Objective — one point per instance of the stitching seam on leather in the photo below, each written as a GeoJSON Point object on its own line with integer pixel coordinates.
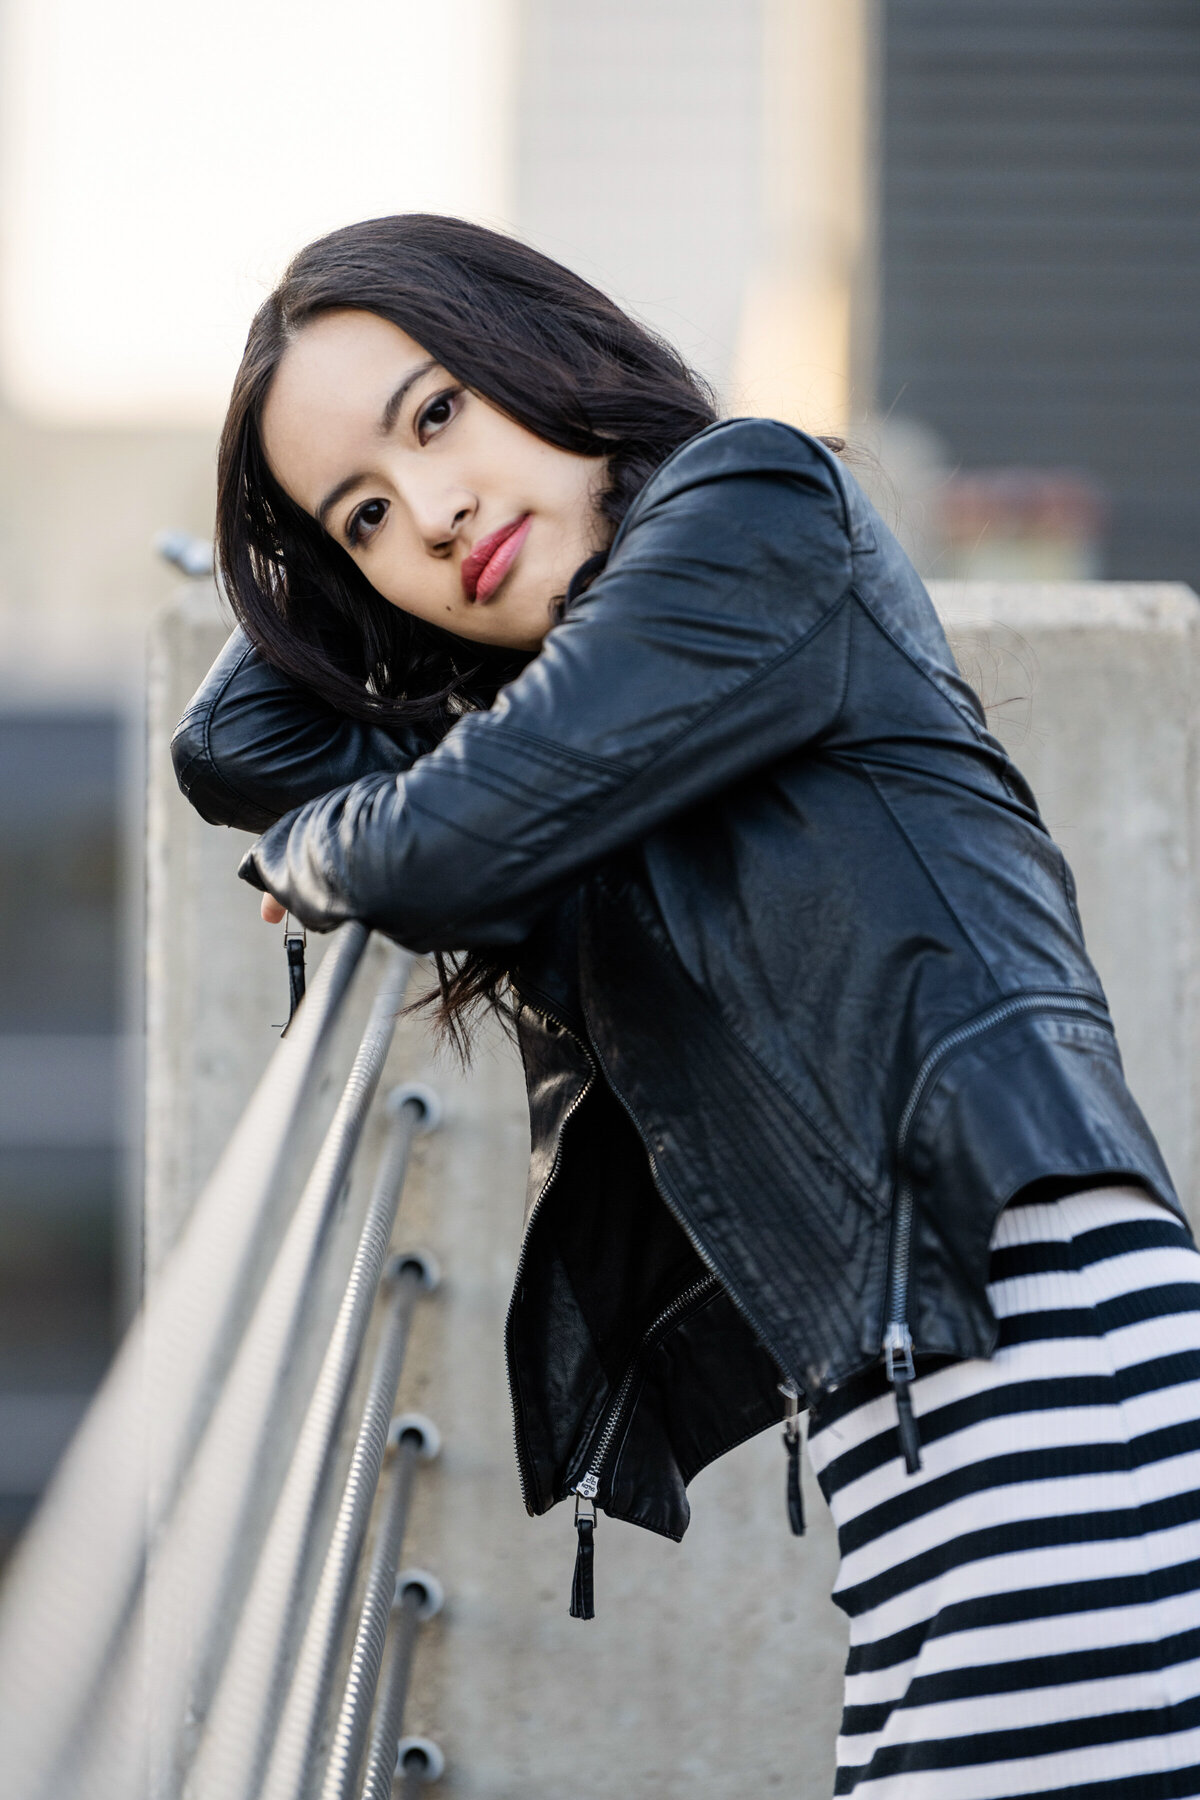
{"type": "Point", "coordinates": [612, 798]}
{"type": "Point", "coordinates": [952, 911]}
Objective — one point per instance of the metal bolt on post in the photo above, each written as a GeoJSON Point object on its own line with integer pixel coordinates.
{"type": "Point", "coordinates": [418, 1597]}
{"type": "Point", "coordinates": [419, 1763]}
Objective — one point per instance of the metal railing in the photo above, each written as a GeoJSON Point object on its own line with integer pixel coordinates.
{"type": "Point", "coordinates": [183, 1616]}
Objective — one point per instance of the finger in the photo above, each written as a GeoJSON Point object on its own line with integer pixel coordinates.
{"type": "Point", "coordinates": [272, 912]}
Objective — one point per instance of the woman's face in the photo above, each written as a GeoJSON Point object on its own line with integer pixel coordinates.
{"type": "Point", "coordinates": [452, 511]}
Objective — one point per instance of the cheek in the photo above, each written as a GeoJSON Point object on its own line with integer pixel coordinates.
{"type": "Point", "coordinates": [577, 507]}
{"type": "Point", "coordinates": [415, 585]}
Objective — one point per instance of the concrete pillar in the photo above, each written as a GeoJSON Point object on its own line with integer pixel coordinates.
{"type": "Point", "coordinates": [714, 1667]}
{"type": "Point", "coordinates": [215, 983]}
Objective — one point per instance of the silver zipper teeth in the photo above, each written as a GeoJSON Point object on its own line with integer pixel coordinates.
{"type": "Point", "coordinates": [589, 1484]}
{"type": "Point", "coordinates": [577, 1102]}
{"type": "Point", "coordinates": [897, 1334]}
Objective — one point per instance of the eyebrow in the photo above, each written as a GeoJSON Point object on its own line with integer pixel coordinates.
{"type": "Point", "coordinates": [387, 419]}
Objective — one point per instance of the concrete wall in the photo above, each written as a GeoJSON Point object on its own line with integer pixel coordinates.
{"type": "Point", "coordinates": [712, 1668]}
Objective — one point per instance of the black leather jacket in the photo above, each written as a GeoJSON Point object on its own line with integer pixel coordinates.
{"type": "Point", "coordinates": [803, 995]}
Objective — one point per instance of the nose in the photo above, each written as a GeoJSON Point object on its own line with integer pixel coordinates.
{"type": "Point", "coordinates": [439, 512]}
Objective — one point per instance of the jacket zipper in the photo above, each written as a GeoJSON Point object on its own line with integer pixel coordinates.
{"type": "Point", "coordinates": [588, 1485]}
{"type": "Point", "coordinates": [523, 1470]}
{"type": "Point", "coordinates": [897, 1336]}
{"type": "Point", "coordinates": [585, 1490]}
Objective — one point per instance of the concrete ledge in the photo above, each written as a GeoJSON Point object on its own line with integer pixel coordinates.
{"type": "Point", "coordinates": [1062, 605]}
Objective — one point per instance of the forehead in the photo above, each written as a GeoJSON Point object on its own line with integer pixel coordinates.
{"type": "Point", "coordinates": [322, 409]}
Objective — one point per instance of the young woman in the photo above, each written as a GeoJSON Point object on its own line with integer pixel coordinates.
{"type": "Point", "coordinates": [646, 723]}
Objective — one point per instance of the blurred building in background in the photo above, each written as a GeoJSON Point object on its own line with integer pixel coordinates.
{"type": "Point", "coordinates": [965, 236]}
{"type": "Point", "coordinates": [1039, 250]}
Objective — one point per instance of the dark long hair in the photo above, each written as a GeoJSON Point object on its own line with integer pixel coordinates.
{"type": "Point", "coordinates": [527, 335]}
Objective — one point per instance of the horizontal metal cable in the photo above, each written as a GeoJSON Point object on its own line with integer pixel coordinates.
{"type": "Point", "coordinates": [306, 1701]}
{"type": "Point", "coordinates": [73, 1585]}
{"type": "Point", "coordinates": [204, 1563]}
{"type": "Point", "coordinates": [346, 1753]}
{"type": "Point", "coordinates": [247, 1707]}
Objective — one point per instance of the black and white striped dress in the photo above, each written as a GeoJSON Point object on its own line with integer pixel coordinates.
{"type": "Point", "coordinates": [1025, 1610]}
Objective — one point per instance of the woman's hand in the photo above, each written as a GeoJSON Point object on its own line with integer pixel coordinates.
{"type": "Point", "coordinates": [272, 912]}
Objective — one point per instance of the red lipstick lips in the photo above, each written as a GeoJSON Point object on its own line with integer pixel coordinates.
{"type": "Point", "coordinates": [491, 559]}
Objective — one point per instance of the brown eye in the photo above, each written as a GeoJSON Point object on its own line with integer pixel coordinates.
{"type": "Point", "coordinates": [365, 521]}
{"type": "Point", "coordinates": [438, 413]}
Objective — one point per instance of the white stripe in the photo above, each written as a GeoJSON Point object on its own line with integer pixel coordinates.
{"type": "Point", "coordinates": [1161, 1407]}
{"type": "Point", "coordinates": [1015, 1433]}
{"type": "Point", "coordinates": [1106, 1627]}
{"type": "Point", "coordinates": [1020, 1570]}
{"type": "Point", "coordinates": [1064, 1497]}
{"type": "Point", "coordinates": [1007, 1435]}
{"type": "Point", "coordinates": [1049, 1289]}
{"type": "Point", "coordinates": [1020, 1711]}
{"type": "Point", "coordinates": [1058, 1221]}
{"type": "Point", "coordinates": [1151, 1338]}
{"type": "Point", "coordinates": [1073, 1356]}
{"type": "Point", "coordinates": [1139, 1343]}
{"type": "Point", "coordinates": [1067, 1769]}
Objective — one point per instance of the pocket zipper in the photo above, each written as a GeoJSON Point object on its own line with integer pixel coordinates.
{"type": "Point", "coordinates": [523, 1468]}
{"type": "Point", "coordinates": [587, 1487]}
{"type": "Point", "coordinates": [897, 1336]}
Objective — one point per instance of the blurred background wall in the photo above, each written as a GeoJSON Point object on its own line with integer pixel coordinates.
{"type": "Point", "coordinates": [965, 236]}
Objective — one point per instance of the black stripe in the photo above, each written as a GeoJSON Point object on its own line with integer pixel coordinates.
{"type": "Point", "coordinates": [1160, 1372]}
{"type": "Point", "coordinates": [1167, 1784]}
{"type": "Point", "coordinates": [1049, 1256]}
{"type": "Point", "coordinates": [1056, 1392]}
{"type": "Point", "coordinates": [1133, 1308]}
{"type": "Point", "coordinates": [1109, 1662]}
{"type": "Point", "coordinates": [1002, 1401]}
{"type": "Point", "coordinates": [1055, 1462]}
{"type": "Point", "coordinates": [1024, 1606]}
{"type": "Point", "coordinates": [1018, 1328]}
{"type": "Point", "coordinates": [1024, 1741]}
{"type": "Point", "coordinates": [1020, 1535]}
{"type": "Point", "coordinates": [859, 1390]}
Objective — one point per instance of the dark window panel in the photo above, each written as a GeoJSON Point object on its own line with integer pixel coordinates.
{"type": "Point", "coordinates": [1040, 238]}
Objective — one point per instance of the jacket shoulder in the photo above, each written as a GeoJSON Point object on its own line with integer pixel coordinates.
{"type": "Point", "coordinates": [745, 448]}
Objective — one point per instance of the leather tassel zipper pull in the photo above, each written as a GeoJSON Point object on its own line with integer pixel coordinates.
{"type": "Point", "coordinates": [583, 1593]}
{"type": "Point", "coordinates": [898, 1360]}
{"type": "Point", "coordinates": [791, 1443]}
{"type": "Point", "coordinates": [910, 1437]}
{"type": "Point", "coordinates": [293, 944]}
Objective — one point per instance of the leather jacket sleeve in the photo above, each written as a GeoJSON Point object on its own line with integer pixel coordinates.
{"type": "Point", "coordinates": [252, 745]}
{"type": "Point", "coordinates": [713, 643]}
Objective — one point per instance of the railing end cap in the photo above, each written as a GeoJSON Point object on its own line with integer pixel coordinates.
{"type": "Point", "coordinates": [416, 1092]}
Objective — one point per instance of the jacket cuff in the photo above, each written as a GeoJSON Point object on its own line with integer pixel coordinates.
{"type": "Point", "coordinates": [248, 871]}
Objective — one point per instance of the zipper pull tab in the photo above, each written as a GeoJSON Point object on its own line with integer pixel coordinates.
{"type": "Point", "coordinates": [583, 1596]}
{"type": "Point", "coordinates": [791, 1443]}
{"type": "Point", "coordinates": [293, 945]}
{"type": "Point", "coordinates": [898, 1356]}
